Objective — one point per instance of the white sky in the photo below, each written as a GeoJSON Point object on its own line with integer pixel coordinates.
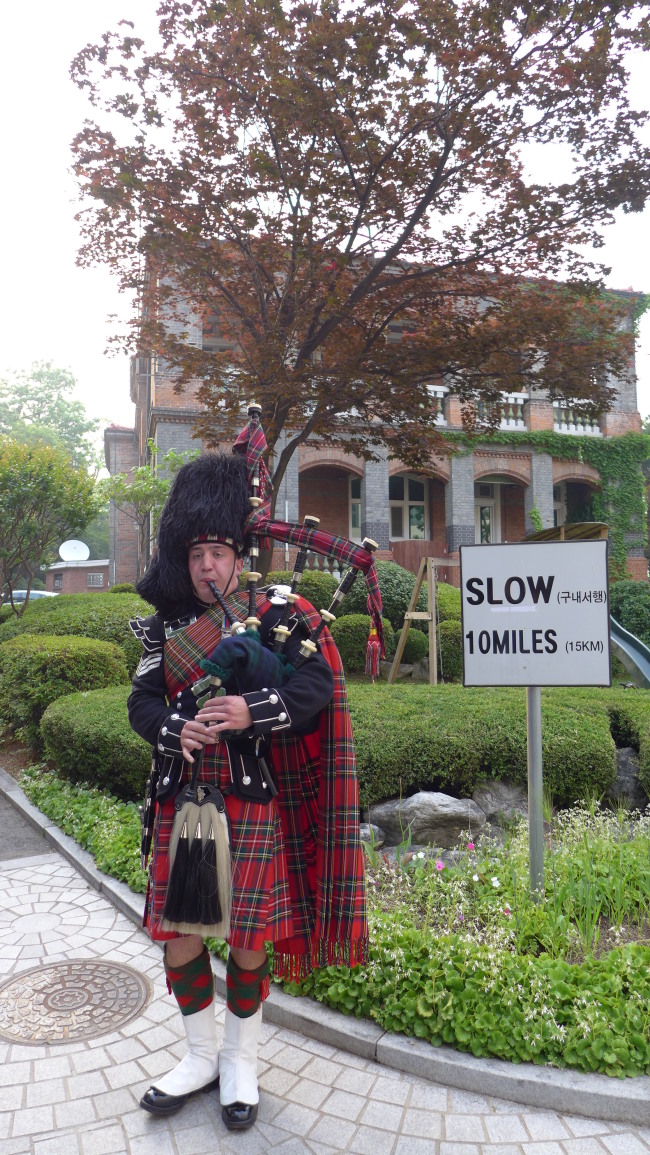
{"type": "Point", "coordinates": [52, 310]}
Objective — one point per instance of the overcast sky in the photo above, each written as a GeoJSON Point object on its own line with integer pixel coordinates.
{"type": "Point", "coordinates": [51, 310]}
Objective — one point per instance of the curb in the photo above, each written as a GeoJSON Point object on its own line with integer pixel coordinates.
{"type": "Point", "coordinates": [568, 1092]}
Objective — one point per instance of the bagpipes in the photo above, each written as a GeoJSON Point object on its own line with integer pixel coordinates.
{"type": "Point", "coordinates": [199, 891]}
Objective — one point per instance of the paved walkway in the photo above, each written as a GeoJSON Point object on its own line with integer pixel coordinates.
{"type": "Point", "coordinates": [80, 1097]}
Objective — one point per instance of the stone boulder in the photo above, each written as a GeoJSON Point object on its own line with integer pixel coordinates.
{"type": "Point", "coordinates": [433, 819]}
{"type": "Point", "coordinates": [500, 798]}
{"type": "Point", "coordinates": [626, 787]}
{"type": "Point", "coordinates": [372, 834]}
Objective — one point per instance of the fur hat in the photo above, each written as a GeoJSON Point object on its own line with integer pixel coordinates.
{"type": "Point", "coordinates": [208, 501]}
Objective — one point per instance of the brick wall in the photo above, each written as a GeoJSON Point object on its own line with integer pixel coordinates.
{"type": "Point", "coordinates": [74, 580]}
{"type": "Point", "coordinates": [324, 493]}
{"type": "Point", "coordinates": [513, 525]}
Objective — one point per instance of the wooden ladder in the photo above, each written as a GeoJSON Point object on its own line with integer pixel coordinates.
{"type": "Point", "coordinates": [427, 569]}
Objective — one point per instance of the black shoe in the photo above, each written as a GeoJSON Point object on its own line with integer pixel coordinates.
{"type": "Point", "coordinates": [157, 1103]}
{"type": "Point", "coordinates": [239, 1116]}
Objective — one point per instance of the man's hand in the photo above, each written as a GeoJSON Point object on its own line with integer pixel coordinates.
{"type": "Point", "coordinates": [228, 712]}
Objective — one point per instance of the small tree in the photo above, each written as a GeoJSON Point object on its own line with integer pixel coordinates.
{"type": "Point", "coordinates": [34, 407]}
{"type": "Point", "coordinates": [42, 501]}
{"type": "Point", "coordinates": [141, 493]}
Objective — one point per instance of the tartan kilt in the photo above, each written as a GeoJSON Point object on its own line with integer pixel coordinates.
{"type": "Point", "coordinates": [261, 902]}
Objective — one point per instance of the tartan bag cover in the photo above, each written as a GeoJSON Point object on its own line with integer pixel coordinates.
{"type": "Point", "coordinates": [317, 805]}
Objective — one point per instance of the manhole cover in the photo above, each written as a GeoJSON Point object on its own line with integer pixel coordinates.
{"type": "Point", "coordinates": [66, 1001]}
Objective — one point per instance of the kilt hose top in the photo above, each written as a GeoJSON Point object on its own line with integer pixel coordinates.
{"type": "Point", "coordinates": [297, 861]}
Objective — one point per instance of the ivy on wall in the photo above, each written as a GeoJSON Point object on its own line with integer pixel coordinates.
{"type": "Point", "coordinates": [620, 501]}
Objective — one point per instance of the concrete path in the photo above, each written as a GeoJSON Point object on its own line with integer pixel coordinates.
{"type": "Point", "coordinates": [65, 945]}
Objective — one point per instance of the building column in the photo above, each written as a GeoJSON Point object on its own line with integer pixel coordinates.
{"type": "Point", "coordinates": [539, 493]}
{"type": "Point", "coordinates": [287, 501]}
{"type": "Point", "coordinates": [374, 501]}
{"type": "Point", "coordinates": [459, 502]}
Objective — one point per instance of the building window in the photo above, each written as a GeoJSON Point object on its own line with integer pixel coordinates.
{"type": "Point", "coordinates": [487, 513]}
{"type": "Point", "coordinates": [95, 580]}
{"type": "Point", "coordinates": [58, 581]}
{"type": "Point", "coordinates": [408, 510]}
{"type": "Point", "coordinates": [355, 509]}
{"type": "Point", "coordinates": [559, 504]}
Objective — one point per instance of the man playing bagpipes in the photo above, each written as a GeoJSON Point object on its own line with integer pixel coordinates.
{"type": "Point", "coordinates": [251, 815]}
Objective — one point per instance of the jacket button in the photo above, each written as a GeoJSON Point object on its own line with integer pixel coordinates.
{"type": "Point", "coordinates": [161, 748]}
{"type": "Point", "coordinates": [165, 781]}
{"type": "Point", "coordinates": [163, 730]}
{"type": "Point", "coordinates": [175, 717]}
{"type": "Point", "coordinates": [273, 699]}
{"type": "Point", "coordinates": [282, 717]}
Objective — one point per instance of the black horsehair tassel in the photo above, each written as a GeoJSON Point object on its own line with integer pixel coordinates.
{"type": "Point", "coordinates": [207, 883]}
{"type": "Point", "coordinates": [199, 891]}
{"type": "Point", "coordinates": [178, 866]}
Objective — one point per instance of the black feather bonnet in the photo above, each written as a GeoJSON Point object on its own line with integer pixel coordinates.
{"type": "Point", "coordinates": [208, 501]}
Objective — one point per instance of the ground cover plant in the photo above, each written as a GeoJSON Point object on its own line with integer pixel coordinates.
{"type": "Point", "coordinates": [459, 953]}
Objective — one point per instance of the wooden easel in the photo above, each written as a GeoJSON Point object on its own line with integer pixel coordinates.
{"type": "Point", "coordinates": [427, 568]}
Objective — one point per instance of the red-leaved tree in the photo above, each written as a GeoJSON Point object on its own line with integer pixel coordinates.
{"type": "Point", "coordinates": [340, 196]}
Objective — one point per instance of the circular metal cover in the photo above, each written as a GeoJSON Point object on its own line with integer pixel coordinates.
{"type": "Point", "coordinates": [62, 1002]}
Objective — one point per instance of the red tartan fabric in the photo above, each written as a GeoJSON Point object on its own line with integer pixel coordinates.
{"type": "Point", "coordinates": [298, 869]}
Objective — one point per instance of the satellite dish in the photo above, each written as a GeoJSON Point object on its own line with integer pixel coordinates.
{"type": "Point", "coordinates": [74, 550]}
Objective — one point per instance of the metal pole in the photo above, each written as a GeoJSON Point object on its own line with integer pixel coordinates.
{"type": "Point", "coordinates": [535, 790]}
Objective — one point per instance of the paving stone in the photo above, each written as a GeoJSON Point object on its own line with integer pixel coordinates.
{"type": "Point", "coordinates": [344, 1105]}
{"type": "Point", "coordinates": [585, 1146]}
{"type": "Point", "coordinates": [383, 1115]}
{"type": "Point", "coordinates": [447, 1148]}
{"type": "Point", "coordinates": [386, 1090]}
{"type": "Point", "coordinates": [407, 1145]}
{"type": "Point", "coordinates": [546, 1148]}
{"type": "Point", "coordinates": [126, 1075]}
{"type": "Point", "coordinates": [335, 1133]}
{"type": "Point", "coordinates": [370, 1141]}
{"type": "Point", "coordinates": [90, 1083]}
{"type": "Point", "coordinates": [545, 1125]}
{"type": "Point", "coordinates": [152, 1145]}
{"type": "Point", "coordinates": [195, 1140]}
{"type": "Point", "coordinates": [625, 1144]}
{"type": "Point", "coordinates": [429, 1096]}
{"type": "Point", "coordinates": [54, 1068]}
{"type": "Point", "coordinates": [464, 1129]}
{"type": "Point", "coordinates": [104, 1141]}
{"type": "Point", "coordinates": [360, 1082]}
{"type": "Point", "coordinates": [31, 1120]}
{"type": "Point", "coordinates": [293, 1058]}
{"type": "Point", "coordinates": [115, 1103]}
{"type": "Point", "coordinates": [47, 1091]}
{"type": "Point", "coordinates": [277, 1082]}
{"type": "Point", "coordinates": [424, 1124]}
{"type": "Point", "coordinates": [308, 1093]}
{"type": "Point", "coordinates": [90, 1060]}
{"type": "Point", "coordinates": [58, 1145]}
{"type": "Point", "coordinates": [505, 1129]}
{"type": "Point", "coordinates": [75, 1114]}
{"type": "Point", "coordinates": [296, 1119]}
{"type": "Point", "coordinates": [583, 1127]}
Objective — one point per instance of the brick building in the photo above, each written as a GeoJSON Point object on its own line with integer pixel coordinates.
{"type": "Point", "coordinates": [489, 493]}
{"type": "Point", "coordinates": [77, 577]}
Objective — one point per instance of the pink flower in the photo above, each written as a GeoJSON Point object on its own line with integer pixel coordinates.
{"type": "Point", "coordinates": [461, 917]}
{"type": "Point", "coordinates": [440, 864]}
{"type": "Point", "coordinates": [470, 845]}
{"type": "Point", "coordinates": [507, 911]}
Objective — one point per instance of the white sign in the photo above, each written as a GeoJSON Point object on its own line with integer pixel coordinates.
{"type": "Point", "coordinates": [535, 614]}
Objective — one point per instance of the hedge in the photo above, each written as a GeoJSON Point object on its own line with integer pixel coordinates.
{"type": "Point", "coordinates": [396, 586]}
{"type": "Point", "coordinates": [414, 737]}
{"type": "Point", "coordinates": [629, 603]}
{"type": "Point", "coordinates": [35, 671]}
{"type": "Point", "coordinates": [103, 616]}
{"type": "Point", "coordinates": [450, 650]}
{"type": "Point", "coordinates": [316, 586]}
{"type": "Point", "coordinates": [88, 737]}
{"type": "Point", "coordinates": [351, 636]}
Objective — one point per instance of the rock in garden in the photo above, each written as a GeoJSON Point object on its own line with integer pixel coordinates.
{"type": "Point", "coordinates": [372, 834]}
{"type": "Point", "coordinates": [432, 818]}
{"type": "Point", "coordinates": [626, 787]}
{"type": "Point", "coordinates": [501, 799]}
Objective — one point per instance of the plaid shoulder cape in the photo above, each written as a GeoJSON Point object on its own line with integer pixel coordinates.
{"type": "Point", "coordinates": [340, 934]}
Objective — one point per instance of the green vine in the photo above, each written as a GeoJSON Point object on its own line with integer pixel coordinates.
{"type": "Point", "coordinates": [620, 501]}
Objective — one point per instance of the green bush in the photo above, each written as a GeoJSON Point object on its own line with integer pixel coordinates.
{"type": "Point", "coordinates": [416, 648]}
{"type": "Point", "coordinates": [629, 603]}
{"type": "Point", "coordinates": [35, 671]}
{"type": "Point", "coordinates": [450, 650]}
{"type": "Point", "coordinates": [103, 616]}
{"type": "Point", "coordinates": [88, 737]}
{"type": "Point", "coordinates": [123, 588]}
{"type": "Point", "coordinates": [396, 586]}
{"type": "Point", "coordinates": [316, 586]}
{"type": "Point", "coordinates": [447, 602]}
{"type": "Point", "coordinates": [351, 636]}
{"type": "Point", "coordinates": [411, 737]}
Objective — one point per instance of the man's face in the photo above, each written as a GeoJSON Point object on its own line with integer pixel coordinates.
{"type": "Point", "coordinates": [212, 561]}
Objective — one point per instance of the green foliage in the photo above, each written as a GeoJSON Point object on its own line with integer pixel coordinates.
{"type": "Point", "coordinates": [536, 519]}
{"type": "Point", "coordinates": [447, 602]}
{"type": "Point", "coordinates": [351, 636]}
{"type": "Point", "coordinates": [396, 586]}
{"type": "Point", "coordinates": [450, 650]}
{"type": "Point", "coordinates": [416, 648]}
{"type": "Point", "coordinates": [316, 586]}
{"type": "Point", "coordinates": [620, 500]}
{"type": "Point", "coordinates": [35, 671]}
{"type": "Point", "coordinates": [629, 603]}
{"type": "Point", "coordinates": [34, 408]}
{"type": "Point", "coordinates": [96, 535]}
{"type": "Point", "coordinates": [412, 737]}
{"type": "Point", "coordinates": [103, 616]}
{"type": "Point", "coordinates": [88, 737]}
{"type": "Point", "coordinates": [106, 827]}
{"type": "Point", "coordinates": [42, 501]}
{"type": "Point", "coordinates": [123, 588]}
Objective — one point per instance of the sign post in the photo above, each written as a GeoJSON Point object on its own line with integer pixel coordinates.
{"type": "Point", "coordinates": [535, 614]}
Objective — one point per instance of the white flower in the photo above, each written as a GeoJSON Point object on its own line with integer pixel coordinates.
{"type": "Point", "coordinates": [495, 883]}
{"type": "Point", "coordinates": [475, 878]}
{"type": "Point", "coordinates": [420, 854]}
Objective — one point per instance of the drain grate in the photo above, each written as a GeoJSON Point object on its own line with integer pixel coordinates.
{"type": "Point", "coordinates": [62, 1002]}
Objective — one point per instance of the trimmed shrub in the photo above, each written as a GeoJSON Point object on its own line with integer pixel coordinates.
{"type": "Point", "coordinates": [35, 671]}
{"type": "Point", "coordinates": [414, 737]}
{"type": "Point", "coordinates": [316, 586]}
{"type": "Point", "coordinates": [351, 636]}
{"type": "Point", "coordinates": [88, 737]}
{"type": "Point", "coordinates": [447, 602]}
{"type": "Point", "coordinates": [123, 588]}
{"type": "Point", "coordinates": [416, 648]}
{"type": "Point", "coordinates": [450, 650]}
{"type": "Point", "coordinates": [396, 586]}
{"type": "Point", "coordinates": [102, 616]}
{"type": "Point", "coordinates": [629, 603]}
